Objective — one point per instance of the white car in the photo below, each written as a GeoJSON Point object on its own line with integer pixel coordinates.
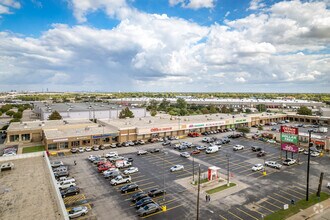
{"type": "Point", "coordinates": [56, 164]}
{"type": "Point", "coordinates": [110, 170]}
{"type": "Point", "coordinates": [91, 157]}
{"type": "Point", "coordinates": [65, 184]}
{"type": "Point", "coordinates": [88, 149]}
{"type": "Point", "coordinates": [289, 162]}
{"type": "Point", "coordinates": [315, 154]}
{"type": "Point", "coordinates": [81, 150]}
{"type": "Point", "coordinates": [77, 211]}
{"type": "Point", "coordinates": [9, 154]}
{"type": "Point", "coordinates": [328, 185]}
{"type": "Point", "coordinates": [111, 154]}
{"type": "Point", "coordinates": [142, 152]}
{"type": "Point", "coordinates": [238, 147]}
{"type": "Point", "coordinates": [300, 150]}
{"type": "Point", "coordinates": [257, 167]}
{"type": "Point", "coordinates": [63, 178]}
{"type": "Point", "coordinates": [185, 154]}
{"type": "Point", "coordinates": [176, 168]}
{"type": "Point", "coordinates": [273, 164]}
{"type": "Point", "coordinates": [131, 170]}
{"type": "Point", "coordinates": [271, 141]}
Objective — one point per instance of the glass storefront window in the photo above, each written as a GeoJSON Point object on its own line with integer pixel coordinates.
{"type": "Point", "coordinates": [14, 138]}
{"type": "Point", "coordinates": [106, 140]}
{"type": "Point", "coordinates": [52, 146]}
{"type": "Point", "coordinates": [75, 143]}
{"type": "Point", "coordinates": [64, 145]}
{"type": "Point", "coordinates": [25, 137]}
{"type": "Point", "coordinates": [86, 142]}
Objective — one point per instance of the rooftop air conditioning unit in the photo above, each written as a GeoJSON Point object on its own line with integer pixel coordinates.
{"type": "Point", "coordinates": [150, 121]}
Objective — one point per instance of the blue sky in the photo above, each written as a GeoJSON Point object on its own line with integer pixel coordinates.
{"type": "Point", "coordinates": [165, 45]}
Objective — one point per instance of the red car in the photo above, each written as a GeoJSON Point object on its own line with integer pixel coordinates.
{"type": "Point", "coordinates": [105, 167]}
{"type": "Point", "coordinates": [195, 152]}
{"type": "Point", "coordinates": [193, 134]}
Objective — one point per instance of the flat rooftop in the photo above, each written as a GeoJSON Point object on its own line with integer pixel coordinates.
{"type": "Point", "coordinates": [26, 191]}
{"type": "Point", "coordinates": [95, 129]}
{"type": "Point", "coordinates": [28, 125]}
{"type": "Point", "coordinates": [77, 107]}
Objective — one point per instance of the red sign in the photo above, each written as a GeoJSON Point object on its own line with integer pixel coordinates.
{"type": "Point", "coordinates": [289, 130]}
{"type": "Point", "coordinates": [289, 147]}
{"type": "Point", "coordinates": [160, 129]}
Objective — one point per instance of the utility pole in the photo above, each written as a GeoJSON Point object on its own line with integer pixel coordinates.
{"type": "Point", "coordinates": [193, 168]}
{"type": "Point", "coordinates": [164, 173]}
{"type": "Point", "coordinates": [199, 179]}
{"type": "Point", "coordinates": [227, 169]}
{"type": "Point", "coordinates": [308, 162]}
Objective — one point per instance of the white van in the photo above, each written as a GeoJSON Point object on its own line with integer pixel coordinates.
{"type": "Point", "coordinates": [212, 149]}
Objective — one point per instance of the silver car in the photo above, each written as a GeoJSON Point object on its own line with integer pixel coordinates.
{"type": "Point", "coordinates": [78, 211]}
{"type": "Point", "coordinates": [148, 209]}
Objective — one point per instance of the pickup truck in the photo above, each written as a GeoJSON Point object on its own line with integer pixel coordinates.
{"type": "Point", "coordinates": [273, 164]}
{"type": "Point", "coordinates": [120, 179]}
{"type": "Point", "coordinates": [123, 164]}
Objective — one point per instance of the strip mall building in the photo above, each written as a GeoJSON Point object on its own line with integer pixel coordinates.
{"type": "Point", "coordinates": [65, 134]}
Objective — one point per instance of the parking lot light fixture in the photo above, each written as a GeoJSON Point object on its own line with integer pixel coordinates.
{"type": "Point", "coordinates": [164, 154]}
{"type": "Point", "coordinates": [310, 144]}
{"type": "Point", "coordinates": [193, 167]}
{"type": "Point", "coordinates": [228, 156]}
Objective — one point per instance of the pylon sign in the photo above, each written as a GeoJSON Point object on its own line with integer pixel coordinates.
{"type": "Point", "coordinates": [289, 139]}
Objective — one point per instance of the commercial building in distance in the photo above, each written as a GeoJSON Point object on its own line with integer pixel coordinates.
{"type": "Point", "coordinates": [94, 110]}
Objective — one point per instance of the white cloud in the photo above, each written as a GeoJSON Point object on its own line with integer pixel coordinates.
{"type": "Point", "coordinates": [256, 4]}
{"type": "Point", "coordinates": [160, 53]}
{"type": "Point", "coordinates": [6, 5]}
{"type": "Point", "coordinates": [193, 4]}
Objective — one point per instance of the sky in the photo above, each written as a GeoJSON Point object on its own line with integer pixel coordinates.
{"type": "Point", "coordinates": [165, 45]}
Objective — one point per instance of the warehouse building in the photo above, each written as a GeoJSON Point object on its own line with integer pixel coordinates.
{"type": "Point", "coordinates": [84, 110]}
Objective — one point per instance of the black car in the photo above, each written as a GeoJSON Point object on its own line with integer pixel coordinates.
{"type": "Point", "coordinates": [130, 159]}
{"type": "Point", "coordinates": [156, 192]}
{"type": "Point", "coordinates": [72, 190]}
{"type": "Point", "coordinates": [225, 141]}
{"type": "Point", "coordinates": [255, 148]}
{"type": "Point", "coordinates": [166, 143]}
{"type": "Point", "coordinates": [261, 154]}
{"type": "Point", "coordinates": [155, 150]}
{"type": "Point", "coordinates": [138, 196]}
{"type": "Point", "coordinates": [143, 202]}
{"type": "Point", "coordinates": [129, 188]}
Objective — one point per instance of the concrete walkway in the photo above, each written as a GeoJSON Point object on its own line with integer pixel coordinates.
{"type": "Point", "coordinates": [320, 211]}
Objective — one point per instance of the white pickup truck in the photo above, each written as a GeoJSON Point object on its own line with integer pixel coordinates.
{"type": "Point", "coordinates": [123, 164]}
{"type": "Point", "coordinates": [120, 179]}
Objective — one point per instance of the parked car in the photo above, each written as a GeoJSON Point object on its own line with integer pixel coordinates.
{"type": "Point", "coordinates": [55, 164]}
{"type": "Point", "coordinates": [225, 141]}
{"type": "Point", "coordinates": [138, 196]}
{"type": "Point", "coordinates": [78, 211]}
{"type": "Point", "coordinates": [88, 149]}
{"type": "Point", "coordinates": [65, 184]}
{"type": "Point", "coordinates": [130, 143]}
{"type": "Point", "coordinates": [142, 152]}
{"type": "Point", "coordinates": [261, 154]}
{"type": "Point", "coordinates": [131, 170]}
{"type": "Point", "coordinates": [141, 142]}
{"type": "Point", "coordinates": [195, 152]}
{"type": "Point", "coordinates": [328, 185]}
{"type": "Point", "coordinates": [129, 188]}
{"type": "Point", "coordinates": [111, 175]}
{"type": "Point", "coordinates": [154, 150]}
{"type": "Point", "coordinates": [271, 141]}
{"type": "Point", "coordinates": [256, 148]}
{"type": "Point", "coordinates": [176, 168]}
{"type": "Point", "coordinates": [74, 150]}
{"type": "Point", "coordinates": [182, 147]}
{"type": "Point", "coordinates": [156, 192]}
{"type": "Point", "coordinates": [315, 154]}
{"type": "Point", "coordinates": [300, 150]}
{"type": "Point", "coordinates": [120, 179]}
{"type": "Point", "coordinates": [148, 209]}
{"type": "Point", "coordinates": [70, 191]}
{"type": "Point", "coordinates": [273, 164]}
{"type": "Point", "coordinates": [289, 162]}
{"type": "Point", "coordinates": [63, 179]}
{"type": "Point", "coordinates": [143, 202]}
{"type": "Point", "coordinates": [166, 143]}
{"type": "Point", "coordinates": [111, 154]}
{"type": "Point", "coordinates": [130, 159]}
{"type": "Point", "coordinates": [61, 174]}
{"type": "Point", "coordinates": [238, 147]}
{"type": "Point", "coordinates": [257, 167]}
{"type": "Point", "coordinates": [200, 147]}
{"type": "Point", "coordinates": [185, 154]}
{"type": "Point", "coordinates": [81, 150]}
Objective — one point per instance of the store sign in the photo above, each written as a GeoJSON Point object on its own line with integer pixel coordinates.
{"type": "Point", "coordinates": [196, 125]}
{"type": "Point", "coordinates": [104, 136]}
{"type": "Point", "coordinates": [160, 129]}
{"type": "Point", "coordinates": [82, 138]}
{"type": "Point", "coordinates": [60, 140]}
{"type": "Point", "coordinates": [289, 130]}
{"type": "Point", "coordinates": [289, 147]}
{"type": "Point", "coordinates": [241, 120]}
{"type": "Point", "coordinates": [288, 138]}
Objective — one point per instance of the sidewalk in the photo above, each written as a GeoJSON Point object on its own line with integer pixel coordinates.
{"type": "Point", "coordinates": [320, 211]}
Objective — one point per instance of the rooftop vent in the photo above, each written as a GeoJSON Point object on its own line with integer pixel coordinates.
{"type": "Point", "coordinates": [150, 121]}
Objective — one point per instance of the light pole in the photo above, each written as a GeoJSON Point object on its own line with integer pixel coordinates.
{"type": "Point", "coordinates": [308, 162]}
{"type": "Point", "coordinates": [199, 180]}
{"type": "Point", "coordinates": [228, 156]}
{"type": "Point", "coordinates": [193, 167]}
{"type": "Point", "coordinates": [165, 153]}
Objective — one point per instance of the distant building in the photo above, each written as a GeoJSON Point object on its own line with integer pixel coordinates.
{"type": "Point", "coordinates": [325, 112]}
{"type": "Point", "coordinates": [84, 110]}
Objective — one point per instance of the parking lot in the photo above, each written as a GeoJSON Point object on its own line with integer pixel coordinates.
{"type": "Point", "coordinates": [264, 194]}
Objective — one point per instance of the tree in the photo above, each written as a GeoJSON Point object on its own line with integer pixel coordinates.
{"type": "Point", "coordinates": [18, 115]}
{"type": "Point", "coordinates": [10, 113]}
{"type": "Point", "coordinates": [213, 109]}
{"type": "Point", "coordinates": [261, 107]}
{"type": "Point", "coordinates": [303, 110]}
{"type": "Point", "coordinates": [205, 110]}
{"type": "Point", "coordinates": [224, 109]}
{"type": "Point", "coordinates": [153, 113]}
{"type": "Point", "coordinates": [164, 105]}
{"type": "Point", "coordinates": [181, 103]}
{"type": "Point", "coordinates": [260, 128]}
{"type": "Point", "coordinates": [153, 104]}
{"type": "Point", "coordinates": [248, 111]}
{"type": "Point", "coordinates": [126, 113]}
{"type": "Point", "coordinates": [55, 116]}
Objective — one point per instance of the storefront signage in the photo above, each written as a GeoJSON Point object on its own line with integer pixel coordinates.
{"type": "Point", "coordinates": [160, 129]}
{"type": "Point", "coordinates": [289, 130]}
{"type": "Point", "coordinates": [288, 138]}
{"type": "Point", "coordinates": [196, 125]}
{"type": "Point", "coordinates": [81, 138]}
{"type": "Point", "coordinates": [289, 147]}
{"type": "Point", "coordinates": [60, 140]}
{"type": "Point", "coordinates": [241, 120]}
{"type": "Point", "coordinates": [104, 136]}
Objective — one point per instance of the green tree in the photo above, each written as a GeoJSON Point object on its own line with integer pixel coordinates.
{"type": "Point", "coordinates": [126, 113]}
{"type": "Point", "coordinates": [181, 103]}
{"type": "Point", "coordinates": [224, 109]}
{"type": "Point", "coordinates": [153, 105]}
{"type": "Point", "coordinates": [183, 112]}
{"type": "Point", "coordinates": [10, 113]}
{"type": "Point", "coordinates": [153, 113]}
{"type": "Point", "coordinates": [303, 110]}
{"type": "Point", "coordinates": [213, 109]}
{"type": "Point", "coordinates": [248, 111]}
{"type": "Point", "coordinates": [164, 105]}
{"type": "Point", "coordinates": [244, 129]}
{"type": "Point", "coordinates": [55, 116]}
{"type": "Point", "coordinates": [260, 128]}
{"type": "Point", "coordinates": [205, 110]}
{"type": "Point", "coordinates": [261, 107]}
{"type": "Point", "coordinates": [18, 115]}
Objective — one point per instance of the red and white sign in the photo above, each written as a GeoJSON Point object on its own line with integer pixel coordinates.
{"type": "Point", "coordinates": [289, 147]}
{"type": "Point", "coordinates": [160, 129]}
{"type": "Point", "coordinates": [289, 130]}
